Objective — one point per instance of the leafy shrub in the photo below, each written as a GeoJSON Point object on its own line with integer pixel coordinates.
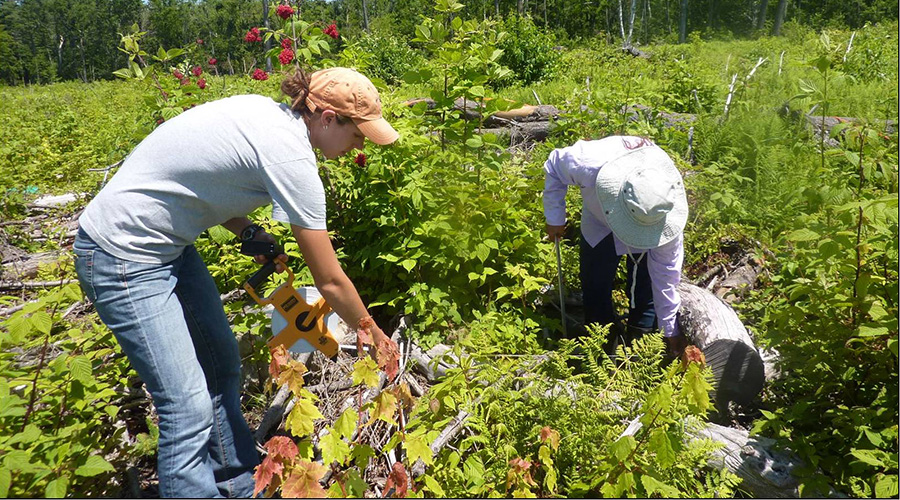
{"type": "Point", "coordinates": [60, 385]}
{"type": "Point", "coordinates": [390, 57]}
{"type": "Point", "coordinates": [831, 311]}
{"type": "Point", "coordinates": [530, 52]}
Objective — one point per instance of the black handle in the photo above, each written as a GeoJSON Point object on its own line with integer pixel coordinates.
{"type": "Point", "coordinates": [260, 276]}
{"type": "Point", "coordinates": [253, 248]}
{"type": "Point", "coordinates": [270, 251]}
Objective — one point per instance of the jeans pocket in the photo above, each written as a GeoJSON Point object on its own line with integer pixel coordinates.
{"type": "Point", "coordinates": [84, 268]}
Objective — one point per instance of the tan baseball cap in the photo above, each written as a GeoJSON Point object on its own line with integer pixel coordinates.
{"type": "Point", "coordinates": [349, 93]}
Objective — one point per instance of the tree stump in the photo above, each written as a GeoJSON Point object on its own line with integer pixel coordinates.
{"type": "Point", "coordinates": [712, 325]}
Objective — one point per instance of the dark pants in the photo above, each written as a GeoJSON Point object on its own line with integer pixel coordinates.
{"type": "Point", "coordinates": [598, 271]}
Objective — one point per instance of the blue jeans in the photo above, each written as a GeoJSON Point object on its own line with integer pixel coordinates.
{"type": "Point", "coordinates": [169, 321]}
{"type": "Point", "coordinates": [598, 271]}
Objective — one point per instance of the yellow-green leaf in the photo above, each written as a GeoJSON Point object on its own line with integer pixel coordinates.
{"type": "Point", "coordinates": [333, 448]}
{"type": "Point", "coordinates": [417, 447]}
{"type": "Point", "coordinates": [300, 421]}
{"type": "Point", "coordinates": [365, 371]}
{"type": "Point", "coordinates": [346, 423]}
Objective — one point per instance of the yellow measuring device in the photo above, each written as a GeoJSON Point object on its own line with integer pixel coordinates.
{"type": "Point", "coordinates": [296, 324]}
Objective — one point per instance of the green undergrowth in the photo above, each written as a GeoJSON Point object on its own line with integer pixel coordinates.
{"type": "Point", "coordinates": [446, 228]}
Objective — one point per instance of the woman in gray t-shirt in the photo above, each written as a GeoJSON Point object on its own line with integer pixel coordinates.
{"type": "Point", "coordinates": [136, 261]}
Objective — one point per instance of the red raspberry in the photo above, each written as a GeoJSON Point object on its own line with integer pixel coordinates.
{"type": "Point", "coordinates": [284, 11]}
{"type": "Point", "coordinates": [252, 35]}
{"type": "Point", "coordinates": [259, 74]}
{"type": "Point", "coordinates": [201, 83]}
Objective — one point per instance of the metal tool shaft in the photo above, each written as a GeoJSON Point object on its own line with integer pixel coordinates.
{"type": "Point", "coordinates": [562, 291]}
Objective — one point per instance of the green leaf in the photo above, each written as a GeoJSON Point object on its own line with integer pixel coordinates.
{"type": "Point", "coordinates": [868, 331]}
{"type": "Point", "coordinates": [456, 23]}
{"type": "Point", "coordinates": [886, 486]}
{"type": "Point", "coordinates": [433, 486]}
{"type": "Point", "coordinates": [622, 447]}
{"type": "Point", "coordinates": [477, 91]}
{"type": "Point", "coordinates": [19, 327]}
{"type": "Point", "coordinates": [333, 448]}
{"type": "Point", "coordinates": [5, 482]}
{"type": "Point", "coordinates": [81, 369]}
{"type": "Point", "coordinates": [803, 235]}
{"type": "Point", "coordinates": [123, 73]}
{"type": "Point", "coordinates": [474, 142]}
{"type": "Point", "coordinates": [94, 465]}
{"type": "Point", "coordinates": [346, 423]}
{"type": "Point", "coordinates": [661, 444]}
{"type": "Point", "coordinates": [482, 252]}
{"type": "Point", "coordinates": [360, 454]}
{"type": "Point", "coordinates": [41, 321]}
{"type": "Point", "coordinates": [57, 488]}
{"type": "Point", "coordinates": [356, 487]}
{"type": "Point", "coordinates": [417, 447]}
{"type": "Point", "coordinates": [408, 264]}
{"type": "Point", "coordinates": [653, 485]}
{"type": "Point", "coordinates": [868, 457]}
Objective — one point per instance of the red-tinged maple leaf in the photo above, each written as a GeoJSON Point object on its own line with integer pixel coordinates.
{"type": "Point", "coordinates": [388, 356]}
{"type": "Point", "coordinates": [280, 357]}
{"type": "Point", "coordinates": [520, 464]}
{"type": "Point", "coordinates": [363, 338]}
{"type": "Point", "coordinates": [693, 354]}
{"type": "Point", "coordinates": [303, 481]}
{"type": "Point", "coordinates": [548, 434]}
{"type": "Point", "coordinates": [398, 479]}
{"type": "Point", "coordinates": [264, 473]}
{"type": "Point", "coordinates": [281, 447]}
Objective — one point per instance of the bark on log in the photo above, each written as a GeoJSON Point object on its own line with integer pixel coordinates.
{"type": "Point", "coordinates": [711, 324]}
{"type": "Point", "coordinates": [765, 471]}
{"type": "Point", "coordinates": [21, 269]}
{"type": "Point", "coordinates": [733, 288]}
{"type": "Point", "coordinates": [630, 49]}
{"type": "Point", "coordinates": [522, 133]}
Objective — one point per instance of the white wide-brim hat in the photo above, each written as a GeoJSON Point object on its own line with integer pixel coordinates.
{"type": "Point", "coordinates": [642, 197]}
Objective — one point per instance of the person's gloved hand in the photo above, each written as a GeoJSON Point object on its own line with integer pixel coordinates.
{"type": "Point", "coordinates": [675, 346]}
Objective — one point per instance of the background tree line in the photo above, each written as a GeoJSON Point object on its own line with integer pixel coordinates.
{"type": "Point", "coordinates": [43, 41]}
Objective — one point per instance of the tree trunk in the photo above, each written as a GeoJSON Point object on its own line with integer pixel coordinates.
{"type": "Point", "coordinates": [682, 22]}
{"type": "Point", "coordinates": [520, 8]}
{"type": "Point", "coordinates": [365, 15]}
{"type": "Point", "coordinates": [631, 14]}
{"type": "Point", "coordinates": [497, 8]}
{"type": "Point", "coordinates": [268, 43]}
{"type": "Point", "coordinates": [737, 367]}
{"type": "Point", "coordinates": [761, 15]}
{"type": "Point", "coordinates": [779, 16]}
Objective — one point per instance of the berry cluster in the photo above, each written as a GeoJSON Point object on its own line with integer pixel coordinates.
{"type": "Point", "coordinates": [332, 31]}
{"type": "Point", "coordinates": [284, 11]}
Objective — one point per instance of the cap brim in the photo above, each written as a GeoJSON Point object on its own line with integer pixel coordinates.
{"type": "Point", "coordinates": [378, 131]}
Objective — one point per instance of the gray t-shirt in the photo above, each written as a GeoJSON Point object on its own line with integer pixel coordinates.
{"type": "Point", "coordinates": [217, 161]}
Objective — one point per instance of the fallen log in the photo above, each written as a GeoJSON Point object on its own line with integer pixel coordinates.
{"type": "Point", "coordinates": [522, 133]}
{"type": "Point", "coordinates": [765, 471]}
{"type": "Point", "coordinates": [28, 268]}
{"type": "Point", "coordinates": [471, 111]}
{"type": "Point", "coordinates": [630, 49]}
{"type": "Point", "coordinates": [711, 324]}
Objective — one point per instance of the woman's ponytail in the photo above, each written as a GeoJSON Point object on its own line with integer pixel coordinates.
{"type": "Point", "coordinates": [296, 87]}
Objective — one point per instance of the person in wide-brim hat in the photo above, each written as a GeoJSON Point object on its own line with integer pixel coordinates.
{"type": "Point", "coordinates": [634, 205]}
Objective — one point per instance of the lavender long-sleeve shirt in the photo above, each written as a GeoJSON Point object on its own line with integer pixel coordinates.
{"type": "Point", "coordinates": [578, 165]}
